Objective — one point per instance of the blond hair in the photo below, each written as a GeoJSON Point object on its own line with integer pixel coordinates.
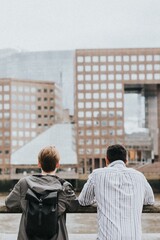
{"type": "Point", "coordinates": [48, 157]}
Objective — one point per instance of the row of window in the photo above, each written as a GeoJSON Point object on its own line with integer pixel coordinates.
{"type": "Point", "coordinates": [118, 77]}
{"type": "Point", "coordinates": [104, 105]}
{"type": "Point", "coordinates": [124, 58]}
{"type": "Point", "coordinates": [117, 68]}
{"type": "Point", "coordinates": [25, 89]}
{"type": "Point", "coordinates": [96, 96]}
{"type": "Point", "coordinates": [103, 123]}
{"type": "Point", "coordinates": [6, 161]}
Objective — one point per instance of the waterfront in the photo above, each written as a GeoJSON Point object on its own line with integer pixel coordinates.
{"type": "Point", "coordinates": [81, 224]}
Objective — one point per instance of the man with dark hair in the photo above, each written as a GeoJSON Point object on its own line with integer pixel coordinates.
{"type": "Point", "coordinates": [120, 194]}
{"type": "Point", "coordinates": [48, 161]}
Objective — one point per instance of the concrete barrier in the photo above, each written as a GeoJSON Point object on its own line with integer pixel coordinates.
{"type": "Point", "coordinates": [90, 209]}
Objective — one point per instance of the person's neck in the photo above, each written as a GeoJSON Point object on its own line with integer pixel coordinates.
{"type": "Point", "coordinates": [49, 173]}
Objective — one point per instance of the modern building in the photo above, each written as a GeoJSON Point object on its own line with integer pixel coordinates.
{"type": "Point", "coordinates": [27, 108]}
{"type": "Point", "coordinates": [57, 66]}
{"type": "Point", "coordinates": [102, 77]}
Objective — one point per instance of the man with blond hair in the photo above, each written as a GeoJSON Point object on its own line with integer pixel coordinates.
{"type": "Point", "coordinates": [48, 161]}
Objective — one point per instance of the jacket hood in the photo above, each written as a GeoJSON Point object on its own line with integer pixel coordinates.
{"type": "Point", "coordinates": [41, 183]}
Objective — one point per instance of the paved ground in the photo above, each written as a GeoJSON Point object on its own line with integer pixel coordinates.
{"type": "Point", "coordinates": [148, 236]}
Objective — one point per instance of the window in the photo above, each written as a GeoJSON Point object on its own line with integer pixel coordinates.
{"type": "Point", "coordinates": [104, 105]}
{"type": "Point", "coordinates": [111, 104]}
{"type": "Point", "coordinates": [103, 95]}
{"type": "Point", "coordinates": [118, 77]}
{"type": "Point", "coordinates": [95, 59]}
{"type": "Point", "coordinates": [80, 68]}
{"type": "Point", "coordinates": [88, 86]}
{"type": "Point", "coordinates": [110, 58]}
{"type": "Point", "coordinates": [141, 76]}
{"type": "Point", "coordinates": [80, 95]}
{"type": "Point", "coordinates": [134, 67]}
{"type": "Point", "coordinates": [110, 77]}
{"type": "Point", "coordinates": [133, 58]}
{"type": "Point", "coordinates": [80, 86]}
{"type": "Point", "coordinates": [149, 67]}
{"type": "Point", "coordinates": [102, 58]}
{"type": "Point", "coordinates": [111, 95]}
{"type": "Point", "coordinates": [141, 67]}
{"type": "Point", "coordinates": [95, 68]}
{"type": "Point", "coordinates": [103, 68]}
{"type": "Point", "coordinates": [95, 77]}
{"type": "Point", "coordinates": [149, 57]}
{"type": "Point", "coordinates": [80, 77]}
{"type": "Point", "coordinates": [103, 86]}
{"type": "Point", "coordinates": [87, 77]}
{"type": "Point", "coordinates": [157, 67]}
{"type": "Point", "coordinates": [118, 86]}
{"type": "Point", "coordinates": [118, 68]}
{"type": "Point", "coordinates": [96, 105]}
{"type": "Point", "coordinates": [157, 76]}
{"type": "Point", "coordinates": [88, 104]}
{"type": "Point", "coordinates": [88, 68]}
{"type": "Point", "coordinates": [80, 114]}
{"type": "Point", "coordinates": [118, 58]}
{"type": "Point", "coordinates": [111, 86]}
{"type": "Point", "coordinates": [88, 114]}
{"type": "Point", "coordinates": [119, 104]}
{"type": "Point", "coordinates": [156, 57]}
{"type": "Point", "coordinates": [103, 77]}
{"type": "Point", "coordinates": [110, 67]}
{"type": "Point", "coordinates": [126, 67]}
{"type": "Point", "coordinates": [133, 76]}
{"type": "Point", "coordinates": [87, 59]}
{"type": "Point", "coordinates": [95, 86]}
{"type": "Point", "coordinates": [6, 88]}
{"type": "Point", "coordinates": [126, 58]}
{"type": "Point", "coordinates": [88, 96]}
{"type": "Point", "coordinates": [149, 76]}
{"type": "Point", "coordinates": [141, 58]}
{"type": "Point", "coordinates": [80, 59]}
{"type": "Point", "coordinates": [96, 95]}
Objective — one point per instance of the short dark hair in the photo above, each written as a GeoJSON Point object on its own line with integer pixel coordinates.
{"type": "Point", "coordinates": [48, 157]}
{"type": "Point", "coordinates": [116, 152]}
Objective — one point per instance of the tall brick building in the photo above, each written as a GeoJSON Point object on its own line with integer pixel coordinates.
{"type": "Point", "coordinates": [27, 108]}
{"type": "Point", "coordinates": [101, 78]}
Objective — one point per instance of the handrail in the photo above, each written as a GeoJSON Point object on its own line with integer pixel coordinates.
{"type": "Point", "coordinates": [90, 209]}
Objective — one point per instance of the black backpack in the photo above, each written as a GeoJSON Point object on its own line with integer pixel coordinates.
{"type": "Point", "coordinates": [42, 214]}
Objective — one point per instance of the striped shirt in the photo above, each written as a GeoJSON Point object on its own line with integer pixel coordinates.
{"type": "Point", "coordinates": [120, 194]}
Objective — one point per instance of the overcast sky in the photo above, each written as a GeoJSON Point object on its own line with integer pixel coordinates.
{"type": "Point", "coordinates": [71, 24]}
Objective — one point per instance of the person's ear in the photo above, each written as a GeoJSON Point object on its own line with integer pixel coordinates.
{"type": "Point", "coordinates": [39, 164]}
{"type": "Point", "coordinates": [107, 161]}
{"type": "Point", "coordinates": [126, 162]}
{"type": "Point", "coordinates": [57, 165]}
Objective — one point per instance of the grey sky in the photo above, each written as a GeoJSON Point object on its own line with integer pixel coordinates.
{"type": "Point", "coordinates": [70, 24]}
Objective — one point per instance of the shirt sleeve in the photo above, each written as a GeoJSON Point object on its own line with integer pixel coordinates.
{"type": "Point", "coordinates": [149, 196]}
{"type": "Point", "coordinates": [12, 201]}
{"type": "Point", "coordinates": [87, 195]}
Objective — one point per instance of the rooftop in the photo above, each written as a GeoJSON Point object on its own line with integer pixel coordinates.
{"type": "Point", "coordinates": [59, 135]}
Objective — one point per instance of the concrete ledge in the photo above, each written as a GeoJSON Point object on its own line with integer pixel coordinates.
{"type": "Point", "coordinates": [146, 236]}
{"type": "Point", "coordinates": [90, 209]}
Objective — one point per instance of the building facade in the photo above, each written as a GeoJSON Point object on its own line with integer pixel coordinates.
{"type": "Point", "coordinates": [102, 76]}
{"type": "Point", "coordinates": [27, 108]}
